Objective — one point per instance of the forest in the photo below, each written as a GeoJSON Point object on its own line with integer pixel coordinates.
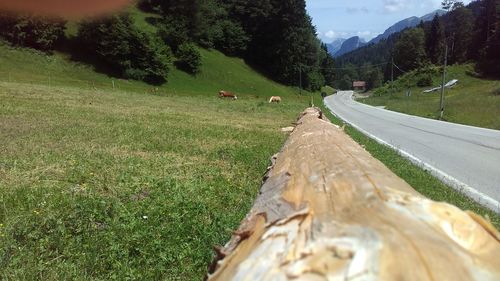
{"type": "Point", "coordinates": [275, 37]}
{"type": "Point", "coordinates": [466, 34]}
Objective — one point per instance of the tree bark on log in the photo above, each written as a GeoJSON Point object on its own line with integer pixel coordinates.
{"type": "Point", "coordinates": [328, 210]}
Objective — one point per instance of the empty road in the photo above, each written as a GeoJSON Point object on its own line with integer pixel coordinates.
{"type": "Point", "coordinates": [466, 158]}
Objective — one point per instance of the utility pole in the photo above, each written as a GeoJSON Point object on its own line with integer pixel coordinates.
{"type": "Point", "coordinates": [300, 80]}
{"type": "Point", "coordinates": [392, 75]}
{"type": "Point", "coordinates": [441, 101]}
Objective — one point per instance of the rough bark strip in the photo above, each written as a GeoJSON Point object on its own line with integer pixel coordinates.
{"type": "Point", "coordinates": [329, 211]}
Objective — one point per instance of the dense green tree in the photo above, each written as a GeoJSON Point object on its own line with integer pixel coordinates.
{"type": "Point", "coordinates": [231, 39]}
{"type": "Point", "coordinates": [285, 42]}
{"type": "Point", "coordinates": [351, 71]}
{"type": "Point", "coordinates": [180, 19]}
{"type": "Point", "coordinates": [459, 32]}
{"type": "Point", "coordinates": [365, 71]}
{"type": "Point", "coordinates": [173, 33]}
{"type": "Point", "coordinates": [328, 67]}
{"type": "Point", "coordinates": [188, 58]}
{"type": "Point", "coordinates": [252, 15]}
{"type": "Point", "coordinates": [314, 80]}
{"type": "Point", "coordinates": [435, 41]}
{"type": "Point", "coordinates": [489, 57]}
{"type": "Point", "coordinates": [210, 16]}
{"type": "Point", "coordinates": [484, 26]}
{"type": "Point", "coordinates": [374, 79]}
{"type": "Point", "coordinates": [29, 31]}
{"type": "Point", "coordinates": [345, 83]}
{"type": "Point", "coordinates": [409, 52]}
{"type": "Point", "coordinates": [130, 52]}
{"type": "Point", "coordinates": [486, 44]}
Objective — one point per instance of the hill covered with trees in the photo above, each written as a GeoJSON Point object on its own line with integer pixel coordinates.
{"type": "Point", "coordinates": [275, 37]}
{"type": "Point", "coordinates": [469, 33]}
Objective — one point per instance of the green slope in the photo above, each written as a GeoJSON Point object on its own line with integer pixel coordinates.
{"type": "Point", "coordinates": [218, 72]}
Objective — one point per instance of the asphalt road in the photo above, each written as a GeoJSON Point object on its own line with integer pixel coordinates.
{"type": "Point", "coordinates": [465, 157]}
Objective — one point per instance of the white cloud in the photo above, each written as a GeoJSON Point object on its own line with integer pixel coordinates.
{"type": "Point", "coordinates": [355, 10]}
{"type": "Point", "coordinates": [330, 34]}
{"type": "Point", "coordinates": [392, 6]}
{"type": "Point", "coordinates": [365, 34]}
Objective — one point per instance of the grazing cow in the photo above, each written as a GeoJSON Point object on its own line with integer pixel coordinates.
{"type": "Point", "coordinates": [275, 99]}
{"type": "Point", "coordinates": [226, 94]}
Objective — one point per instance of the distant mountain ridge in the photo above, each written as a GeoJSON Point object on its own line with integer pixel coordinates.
{"type": "Point", "coordinates": [343, 46]}
{"type": "Point", "coordinates": [349, 45]}
{"type": "Point", "coordinates": [335, 45]}
{"type": "Point", "coordinates": [406, 23]}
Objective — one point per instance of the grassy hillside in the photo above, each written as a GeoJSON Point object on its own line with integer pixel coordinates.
{"type": "Point", "coordinates": [127, 183]}
{"type": "Point", "coordinates": [218, 72]}
{"type": "Point", "coordinates": [473, 101]}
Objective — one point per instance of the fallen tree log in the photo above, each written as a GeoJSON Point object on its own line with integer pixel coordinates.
{"type": "Point", "coordinates": [328, 210]}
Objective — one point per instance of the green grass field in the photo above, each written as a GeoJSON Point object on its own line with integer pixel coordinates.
{"type": "Point", "coordinates": [473, 101]}
{"type": "Point", "coordinates": [123, 184]}
{"type": "Point", "coordinates": [132, 183]}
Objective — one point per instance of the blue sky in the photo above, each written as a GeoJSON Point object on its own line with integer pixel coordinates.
{"type": "Point", "coordinates": [368, 18]}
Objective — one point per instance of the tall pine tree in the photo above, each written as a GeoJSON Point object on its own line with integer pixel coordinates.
{"type": "Point", "coordinates": [459, 31]}
{"type": "Point", "coordinates": [435, 40]}
{"type": "Point", "coordinates": [409, 52]}
{"type": "Point", "coordinates": [489, 60]}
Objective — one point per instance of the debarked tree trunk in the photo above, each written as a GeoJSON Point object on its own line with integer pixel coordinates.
{"type": "Point", "coordinates": [328, 210]}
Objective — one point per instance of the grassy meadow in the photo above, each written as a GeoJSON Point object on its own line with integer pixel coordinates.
{"type": "Point", "coordinates": [472, 101]}
{"type": "Point", "coordinates": [127, 184]}
{"type": "Point", "coordinates": [134, 182]}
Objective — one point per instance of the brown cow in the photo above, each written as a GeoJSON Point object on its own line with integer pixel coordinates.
{"type": "Point", "coordinates": [275, 99]}
{"type": "Point", "coordinates": [226, 94]}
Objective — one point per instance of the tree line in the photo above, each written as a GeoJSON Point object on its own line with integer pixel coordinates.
{"type": "Point", "coordinates": [466, 33]}
{"type": "Point", "coordinates": [276, 37]}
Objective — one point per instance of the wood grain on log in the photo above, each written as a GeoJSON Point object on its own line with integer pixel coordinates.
{"type": "Point", "coordinates": [329, 211]}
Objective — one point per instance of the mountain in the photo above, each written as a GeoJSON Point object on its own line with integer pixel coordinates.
{"type": "Point", "coordinates": [406, 23]}
{"type": "Point", "coordinates": [349, 45]}
{"type": "Point", "coordinates": [335, 45]}
{"type": "Point", "coordinates": [430, 16]}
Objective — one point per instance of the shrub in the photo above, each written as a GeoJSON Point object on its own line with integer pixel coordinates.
{"type": "Point", "coordinates": [424, 80]}
{"type": "Point", "coordinates": [381, 90]}
{"type": "Point", "coordinates": [173, 33]}
{"type": "Point", "coordinates": [34, 32]}
{"type": "Point", "coordinates": [314, 81]}
{"type": "Point", "coordinates": [231, 39]}
{"type": "Point", "coordinates": [129, 51]}
{"type": "Point", "coordinates": [188, 58]}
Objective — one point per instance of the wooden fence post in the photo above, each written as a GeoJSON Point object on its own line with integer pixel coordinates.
{"type": "Point", "coordinates": [328, 210]}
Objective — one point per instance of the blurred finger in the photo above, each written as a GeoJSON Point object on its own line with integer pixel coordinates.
{"type": "Point", "coordinates": [64, 8]}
